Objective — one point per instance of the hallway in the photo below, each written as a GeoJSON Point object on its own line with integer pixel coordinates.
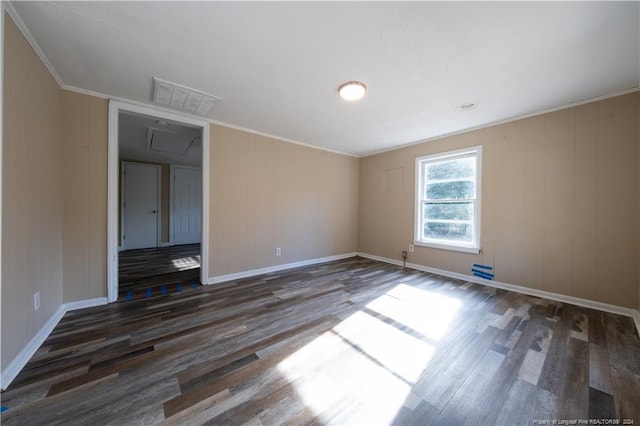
{"type": "Point", "coordinates": [158, 271]}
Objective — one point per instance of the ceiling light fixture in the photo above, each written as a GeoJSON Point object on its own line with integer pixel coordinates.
{"type": "Point", "coordinates": [467, 107]}
{"type": "Point", "coordinates": [352, 90]}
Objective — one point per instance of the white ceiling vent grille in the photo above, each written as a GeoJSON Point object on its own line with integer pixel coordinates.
{"type": "Point", "coordinates": [183, 98]}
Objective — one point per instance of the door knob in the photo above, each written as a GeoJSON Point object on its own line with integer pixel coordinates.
{"type": "Point", "coordinates": [153, 211]}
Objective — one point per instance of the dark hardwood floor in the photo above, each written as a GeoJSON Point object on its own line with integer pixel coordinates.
{"type": "Point", "coordinates": [145, 272]}
{"type": "Point", "coordinates": [353, 342]}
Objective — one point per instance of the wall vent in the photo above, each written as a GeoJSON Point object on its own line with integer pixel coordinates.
{"type": "Point", "coordinates": [183, 98]}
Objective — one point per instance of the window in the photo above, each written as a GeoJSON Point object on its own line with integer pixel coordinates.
{"type": "Point", "coordinates": [448, 200]}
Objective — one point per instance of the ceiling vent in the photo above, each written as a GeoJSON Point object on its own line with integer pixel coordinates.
{"type": "Point", "coordinates": [183, 98]}
{"type": "Point", "coordinates": [168, 142]}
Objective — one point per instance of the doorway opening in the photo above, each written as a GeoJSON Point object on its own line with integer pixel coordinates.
{"type": "Point", "coordinates": [158, 202]}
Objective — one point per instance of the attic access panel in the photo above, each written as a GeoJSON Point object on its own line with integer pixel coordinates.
{"type": "Point", "coordinates": [168, 142]}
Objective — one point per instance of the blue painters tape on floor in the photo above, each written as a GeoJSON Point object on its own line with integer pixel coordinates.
{"type": "Point", "coordinates": [477, 265]}
{"type": "Point", "coordinates": [163, 290]}
{"type": "Point", "coordinates": [179, 288]}
{"type": "Point", "coordinates": [481, 275]}
{"type": "Point", "coordinates": [3, 409]}
{"type": "Point", "coordinates": [129, 295]}
{"type": "Point", "coordinates": [148, 292]}
{"type": "Point", "coordinates": [193, 284]}
{"type": "Point", "coordinates": [482, 272]}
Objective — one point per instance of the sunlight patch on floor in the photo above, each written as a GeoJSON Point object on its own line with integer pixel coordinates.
{"type": "Point", "coordinates": [185, 263]}
{"type": "Point", "coordinates": [362, 371]}
{"type": "Point", "coordinates": [392, 349]}
{"type": "Point", "coordinates": [426, 312]}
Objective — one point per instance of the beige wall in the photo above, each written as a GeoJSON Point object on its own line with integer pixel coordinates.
{"type": "Point", "coordinates": [85, 196]}
{"type": "Point", "coordinates": [560, 207]}
{"type": "Point", "coordinates": [267, 193]}
{"type": "Point", "coordinates": [32, 194]}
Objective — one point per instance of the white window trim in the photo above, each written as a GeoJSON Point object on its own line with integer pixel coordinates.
{"type": "Point", "coordinates": [475, 246]}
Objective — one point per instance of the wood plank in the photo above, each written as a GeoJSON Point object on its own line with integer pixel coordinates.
{"type": "Point", "coordinates": [526, 403]}
{"type": "Point", "coordinates": [556, 360]}
{"type": "Point", "coordinates": [466, 404]}
{"type": "Point", "coordinates": [601, 405]}
{"type": "Point", "coordinates": [573, 400]}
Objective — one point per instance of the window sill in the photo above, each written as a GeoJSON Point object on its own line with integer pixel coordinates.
{"type": "Point", "coordinates": [472, 250]}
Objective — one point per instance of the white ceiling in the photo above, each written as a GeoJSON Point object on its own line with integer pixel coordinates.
{"type": "Point", "coordinates": [135, 142]}
{"type": "Point", "coordinates": [277, 65]}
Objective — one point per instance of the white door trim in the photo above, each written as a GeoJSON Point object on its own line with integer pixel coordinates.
{"type": "Point", "coordinates": [112, 188]}
{"type": "Point", "coordinates": [172, 198]}
{"type": "Point", "coordinates": [123, 217]}
{"type": "Point", "coordinates": [172, 210]}
{"type": "Point", "coordinates": [2, 6]}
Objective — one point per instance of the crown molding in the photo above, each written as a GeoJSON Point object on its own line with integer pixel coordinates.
{"type": "Point", "coordinates": [508, 120]}
{"type": "Point", "coordinates": [11, 11]}
{"type": "Point", "coordinates": [280, 138]}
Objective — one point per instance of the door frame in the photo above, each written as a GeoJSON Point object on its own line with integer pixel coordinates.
{"type": "Point", "coordinates": [172, 199]}
{"type": "Point", "coordinates": [113, 175]}
{"type": "Point", "coordinates": [123, 192]}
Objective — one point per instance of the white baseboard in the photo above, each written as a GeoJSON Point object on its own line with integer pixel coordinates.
{"type": "Point", "coordinates": [18, 363]}
{"type": "Point", "coordinates": [592, 304]}
{"type": "Point", "coordinates": [254, 272]}
{"type": "Point", "coordinates": [88, 303]}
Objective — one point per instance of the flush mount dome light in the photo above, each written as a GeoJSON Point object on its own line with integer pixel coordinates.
{"type": "Point", "coordinates": [352, 90]}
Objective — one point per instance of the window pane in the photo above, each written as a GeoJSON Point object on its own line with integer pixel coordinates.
{"type": "Point", "coordinates": [449, 231]}
{"type": "Point", "coordinates": [449, 211]}
{"type": "Point", "coordinates": [462, 168]}
{"type": "Point", "coordinates": [451, 190]}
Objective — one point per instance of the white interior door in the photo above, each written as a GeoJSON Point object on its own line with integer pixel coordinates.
{"type": "Point", "coordinates": [187, 205]}
{"type": "Point", "coordinates": [140, 205]}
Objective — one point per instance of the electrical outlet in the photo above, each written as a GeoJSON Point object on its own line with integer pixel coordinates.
{"type": "Point", "coordinates": [36, 300]}
{"type": "Point", "coordinates": [278, 251]}
{"type": "Point", "coordinates": [411, 248]}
